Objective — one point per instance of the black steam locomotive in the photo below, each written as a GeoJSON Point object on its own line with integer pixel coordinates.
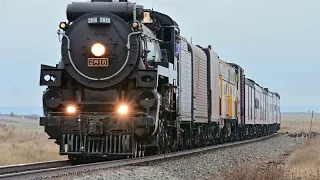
{"type": "Point", "coordinates": [119, 89]}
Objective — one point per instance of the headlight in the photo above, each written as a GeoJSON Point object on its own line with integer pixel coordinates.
{"type": "Point", "coordinates": [71, 109]}
{"type": "Point", "coordinates": [123, 109]}
{"type": "Point", "coordinates": [52, 98]}
{"type": "Point", "coordinates": [98, 49]}
{"type": "Point", "coordinates": [147, 99]}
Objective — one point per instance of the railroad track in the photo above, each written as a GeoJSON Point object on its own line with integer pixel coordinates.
{"type": "Point", "coordinates": [60, 168]}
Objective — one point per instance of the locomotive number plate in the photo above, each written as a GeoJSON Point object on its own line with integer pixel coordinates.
{"type": "Point", "coordinates": [98, 62]}
{"type": "Point", "coordinates": [99, 20]}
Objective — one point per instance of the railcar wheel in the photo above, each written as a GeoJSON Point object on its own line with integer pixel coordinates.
{"type": "Point", "coordinates": [141, 150]}
{"type": "Point", "coordinates": [187, 144]}
{"type": "Point", "coordinates": [175, 146]}
{"type": "Point", "coordinates": [74, 157]}
{"type": "Point", "coordinates": [180, 145]}
{"type": "Point", "coordinates": [71, 157]}
{"type": "Point", "coordinates": [159, 151]}
{"type": "Point", "coordinates": [135, 151]}
{"type": "Point", "coordinates": [138, 151]}
{"type": "Point", "coordinates": [149, 151]}
{"type": "Point", "coordinates": [228, 139]}
{"type": "Point", "coordinates": [183, 143]}
{"type": "Point", "coordinates": [223, 139]}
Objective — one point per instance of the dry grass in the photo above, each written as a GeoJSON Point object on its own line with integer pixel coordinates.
{"type": "Point", "coordinates": [303, 164]}
{"type": "Point", "coordinates": [306, 161]}
{"type": "Point", "coordinates": [25, 144]}
{"type": "Point", "coordinates": [251, 173]}
{"type": "Point", "coordinates": [267, 172]}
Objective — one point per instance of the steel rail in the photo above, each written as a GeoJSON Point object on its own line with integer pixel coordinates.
{"type": "Point", "coordinates": [17, 168]}
{"type": "Point", "coordinates": [60, 168]}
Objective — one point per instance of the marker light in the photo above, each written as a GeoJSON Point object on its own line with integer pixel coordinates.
{"type": "Point", "coordinates": [98, 49]}
{"type": "Point", "coordinates": [135, 25]}
{"type": "Point", "coordinates": [71, 109]}
{"type": "Point", "coordinates": [123, 109]}
{"type": "Point", "coordinates": [63, 25]}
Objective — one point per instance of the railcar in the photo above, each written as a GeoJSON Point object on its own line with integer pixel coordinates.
{"type": "Point", "coordinates": [119, 90]}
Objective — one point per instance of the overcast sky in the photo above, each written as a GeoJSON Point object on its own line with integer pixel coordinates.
{"type": "Point", "coordinates": [276, 42]}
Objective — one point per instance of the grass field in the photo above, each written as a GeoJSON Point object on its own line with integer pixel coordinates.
{"type": "Point", "coordinates": [23, 141]}
{"type": "Point", "coordinates": [303, 164]}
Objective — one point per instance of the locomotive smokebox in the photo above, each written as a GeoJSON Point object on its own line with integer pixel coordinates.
{"type": "Point", "coordinates": [95, 51]}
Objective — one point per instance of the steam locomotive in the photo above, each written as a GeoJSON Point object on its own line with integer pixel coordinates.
{"type": "Point", "coordinates": [119, 90]}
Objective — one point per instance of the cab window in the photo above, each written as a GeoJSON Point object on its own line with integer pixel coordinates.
{"type": "Point", "coordinates": [153, 55]}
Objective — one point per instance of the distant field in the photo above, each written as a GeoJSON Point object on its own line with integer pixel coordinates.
{"type": "Point", "coordinates": [299, 116]}
{"type": "Point", "coordinates": [23, 141]}
{"type": "Point", "coordinates": [299, 122]}
{"type": "Point", "coordinates": [22, 123]}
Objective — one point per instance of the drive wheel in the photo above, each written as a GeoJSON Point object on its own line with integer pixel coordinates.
{"type": "Point", "coordinates": [74, 157]}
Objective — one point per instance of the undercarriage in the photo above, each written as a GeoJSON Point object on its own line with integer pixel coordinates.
{"type": "Point", "coordinates": [94, 134]}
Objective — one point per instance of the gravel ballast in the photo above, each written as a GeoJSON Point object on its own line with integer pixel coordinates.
{"type": "Point", "coordinates": [201, 166]}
